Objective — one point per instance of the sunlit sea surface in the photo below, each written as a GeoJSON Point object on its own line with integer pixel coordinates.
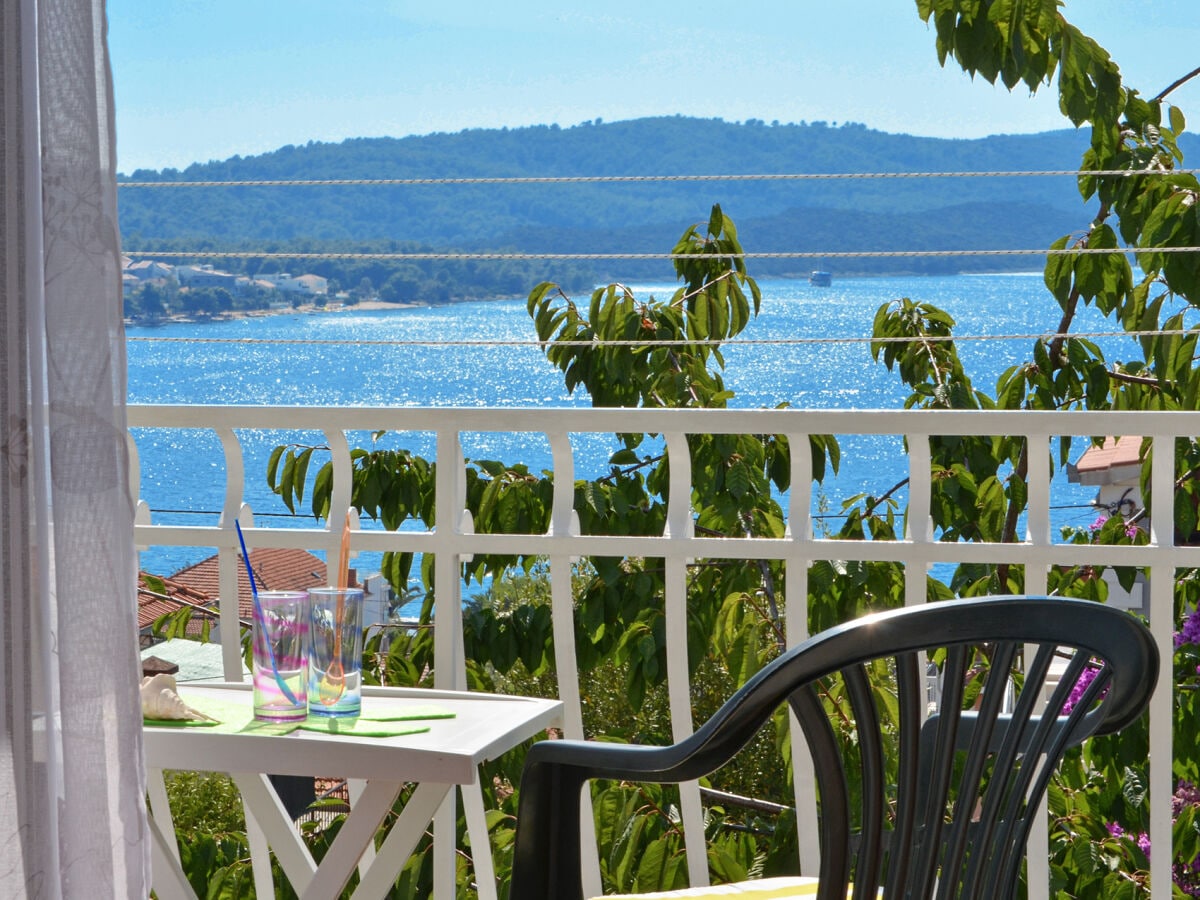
{"type": "Point", "coordinates": [182, 473]}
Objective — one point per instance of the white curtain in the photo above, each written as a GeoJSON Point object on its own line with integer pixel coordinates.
{"type": "Point", "coordinates": [72, 782]}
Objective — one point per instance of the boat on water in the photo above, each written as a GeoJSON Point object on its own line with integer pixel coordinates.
{"type": "Point", "coordinates": [820, 278]}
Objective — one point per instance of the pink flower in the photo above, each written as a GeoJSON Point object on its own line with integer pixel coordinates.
{"type": "Point", "coordinates": [1186, 794]}
{"type": "Point", "coordinates": [1186, 875]}
{"type": "Point", "coordinates": [1086, 677]}
{"type": "Point", "coordinates": [1143, 842]}
{"type": "Point", "coordinates": [1190, 634]}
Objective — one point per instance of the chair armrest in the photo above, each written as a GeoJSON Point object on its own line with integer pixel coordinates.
{"type": "Point", "coordinates": [546, 857]}
{"type": "Point", "coordinates": [634, 762]}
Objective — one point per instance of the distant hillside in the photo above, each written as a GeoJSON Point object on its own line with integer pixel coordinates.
{"type": "Point", "coordinates": [638, 217]}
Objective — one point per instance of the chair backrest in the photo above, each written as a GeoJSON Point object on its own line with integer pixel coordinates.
{"type": "Point", "coordinates": [915, 799]}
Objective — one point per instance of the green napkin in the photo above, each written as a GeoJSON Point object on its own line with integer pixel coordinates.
{"type": "Point", "coordinates": [360, 727]}
{"type": "Point", "coordinates": [379, 723]}
{"type": "Point", "coordinates": [238, 718]}
{"type": "Point", "coordinates": [231, 718]}
{"type": "Point", "coordinates": [408, 713]}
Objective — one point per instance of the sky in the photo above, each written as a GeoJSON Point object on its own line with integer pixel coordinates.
{"type": "Point", "coordinates": [200, 80]}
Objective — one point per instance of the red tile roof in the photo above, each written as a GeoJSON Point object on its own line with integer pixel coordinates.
{"type": "Point", "coordinates": [1114, 462]}
{"type": "Point", "coordinates": [275, 569]}
{"type": "Point", "coordinates": [175, 595]}
{"type": "Point", "coordinates": [1122, 451]}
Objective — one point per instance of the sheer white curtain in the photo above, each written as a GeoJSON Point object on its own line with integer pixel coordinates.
{"type": "Point", "coordinates": [72, 810]}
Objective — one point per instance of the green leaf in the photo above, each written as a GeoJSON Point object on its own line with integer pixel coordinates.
{"type": "Point", "coordinates": [738, 480]}
{"type": "Point", "coordinates": [300, 474]}
{"type": "Point", "coordinates": [1134, 788]}
{"type": "Point", "coordinates": [1118, 886]}
{"type": "Point", "coordinates": [716, 220]}
{"type": "Point", "coordinates": [653, 867]}
{"type": "Point", "coordinates": [322, 491]}
{"type": "Point", "coordinates": [285, 481]}
{"type": "Point", "coordinates": [1178, 124]}
{"type": "Point", "coordinates": [273, 466]}
{"type": "Point", "coordinates": [992, 509]}
{"type": "Point", "coordinates": [537, 302]}
{"type": "Point", "coordinates": [1086, 856]}
{"type": "Point", "coordinates": [1058, 272]}
{"type": "Point", "coordinates": [699, 318]}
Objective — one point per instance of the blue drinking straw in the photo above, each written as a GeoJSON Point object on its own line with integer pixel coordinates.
{"type": "Point", "coordinates": [261, 619]}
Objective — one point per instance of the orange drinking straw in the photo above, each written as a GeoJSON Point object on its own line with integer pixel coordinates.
{"type": "Point", "coordinates": [333, 683]}
{"type": "Point", "coordinates": [343, 581]}
{"type": "Point", "coordinates": [343, 568]}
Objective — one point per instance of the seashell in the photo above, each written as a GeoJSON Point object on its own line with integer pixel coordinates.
{"type": "Point", "coordinates": [160, 701]}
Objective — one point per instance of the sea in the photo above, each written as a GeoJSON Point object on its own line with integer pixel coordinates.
{"type": "Point", "coordinates": [813, 354]}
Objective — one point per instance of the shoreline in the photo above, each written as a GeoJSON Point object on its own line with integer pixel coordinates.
{"type": "Point", "coordinates": [377, 305]}
{"type": "Point", "coordinates": [307, 309]}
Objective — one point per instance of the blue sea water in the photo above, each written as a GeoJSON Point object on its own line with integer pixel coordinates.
{"type": "Point", "coordinates": [182, 474]}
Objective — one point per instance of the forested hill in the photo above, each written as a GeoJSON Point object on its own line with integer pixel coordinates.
{"type": "Point", "coordinates": [631, 217]}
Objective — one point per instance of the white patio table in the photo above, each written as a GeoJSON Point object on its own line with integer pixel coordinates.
{"type": "Point", "coordinates": [448, 754]}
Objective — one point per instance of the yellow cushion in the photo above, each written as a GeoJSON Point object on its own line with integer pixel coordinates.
{"type": "Point", "coordinates": [764, 889]}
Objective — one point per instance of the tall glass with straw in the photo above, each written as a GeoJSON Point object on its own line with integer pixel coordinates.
{"type": "Point", "coordinates": [279, 640]}
{"type": "Point", "coordinates": [336, 640]}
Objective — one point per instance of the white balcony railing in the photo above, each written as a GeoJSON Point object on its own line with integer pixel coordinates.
{"type": "Point", "coordinates": [452, 540]}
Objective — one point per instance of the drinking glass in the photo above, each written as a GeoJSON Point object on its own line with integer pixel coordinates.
{"type": "Point", "coordinates": [280, 658]}
{"type": "Point", "coordinates": [335, 652]}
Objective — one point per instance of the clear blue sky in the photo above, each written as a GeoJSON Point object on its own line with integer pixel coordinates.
{"type": "Point", "coordinates": [206, 79]}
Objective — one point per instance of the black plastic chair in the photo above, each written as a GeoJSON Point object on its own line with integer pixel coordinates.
{"type": "Point", "coordinates": [955, 820]}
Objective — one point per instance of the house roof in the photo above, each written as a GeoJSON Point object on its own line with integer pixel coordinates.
{"type": "Point", "coordinates": [196, 661]}
{"type": "Point", "coordinates": [143, 266]}
{"type": "Point", "coordinates": [1116, 460]}
{"type": "Point", "coordinates": [175, 595]}
{"type": "Point", "coordinates": [275, 569]}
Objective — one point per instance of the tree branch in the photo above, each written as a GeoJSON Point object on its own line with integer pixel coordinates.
{"type": "Point", "coordinates": [704, 287]}
{"type": "Point", "coordinates": [1133, 379]}
{"type": "Point", "coordinates": [1179, 82]}
{"type": "Point", "coordinates": [616, 472]}
{"type": "Point", "coordinates": [870, 510]}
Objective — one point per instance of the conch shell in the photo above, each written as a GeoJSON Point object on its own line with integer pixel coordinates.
{"type": "Point", "coordinates": [160, 701]}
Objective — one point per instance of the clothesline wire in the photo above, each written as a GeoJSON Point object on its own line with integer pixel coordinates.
{"type": "Point", "coordinates": [796, 254]}
{"type": "Point", "coordinates": [601, 179]}
{"type": "Point", "coordinates": [469, 342]}
{"type": "Point", "coordinates": [581, 179]}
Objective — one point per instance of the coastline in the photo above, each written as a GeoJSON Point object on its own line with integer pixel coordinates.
{"type": "Point", "coordinates": [302, 309]}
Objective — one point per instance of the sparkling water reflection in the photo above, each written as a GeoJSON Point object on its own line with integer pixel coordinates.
{"type": "Point", "coordinates": [183, 473]}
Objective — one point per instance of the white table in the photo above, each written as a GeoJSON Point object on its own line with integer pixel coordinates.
{"type": "Point", "coordinates": [448, 754]}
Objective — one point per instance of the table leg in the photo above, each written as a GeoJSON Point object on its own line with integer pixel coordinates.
{"type": "Point", "coordinates": [353, 839]}
{"type": "Point", "coordinates": [262, 803]}
{"type": "Point", "coordinates": [160, 809]}
{"type": "Point", "coordinates": [260, 855]}
{"type": "Point", "coordinates": [481, 845]}
{"type": "Point", "coordinates": [398, 846]}
{"type": "Point", "coordinates": [444, 823]}
{"type": "Point", "coordinates": [167, 874]}
{"type": "Point", "coordinates": [355, 788]}
{"type": "Point", "coordinates": [314, 882]}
